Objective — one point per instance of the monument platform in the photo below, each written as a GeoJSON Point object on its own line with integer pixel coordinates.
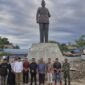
{"type": "Point", "coordinates": [45, 51]}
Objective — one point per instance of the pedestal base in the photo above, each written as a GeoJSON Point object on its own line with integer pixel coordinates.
{"type": "Point", "coordinates": [45, 51]}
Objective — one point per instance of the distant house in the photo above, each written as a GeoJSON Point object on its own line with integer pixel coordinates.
{"type": "Point", "coordinates": [71, 47]}
{"type": "Point", "coordinates": [73, 53]}
{"type": "Point", "coordinates": [1, 50]}
{"type": "Point", "coordinates": [83, 50]}
{"type": "Point", "coordinates": [83, 53]}
{"type": "Point", "coordinates": [10, 46]}
{"type": "Point", "coordinates": [16, 52]}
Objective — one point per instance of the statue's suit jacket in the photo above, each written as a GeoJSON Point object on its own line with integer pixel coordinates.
{"type": "Point", "coordinates": [42, 15]}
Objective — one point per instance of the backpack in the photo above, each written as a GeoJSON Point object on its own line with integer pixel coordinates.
{"type": "Point", "coordinates": [3, 70]}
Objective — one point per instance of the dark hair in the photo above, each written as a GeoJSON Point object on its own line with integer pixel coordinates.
{"type": "Point", "coordinates": [16, 58]}
{"type": "Point", "coordinates": [33, 58]}
{"type": "Point", "coordinates": [56, 58]}
{"type": "Point", "coordinates": [19, 58]}
{"type": "Point", "coordinates": [5, 59]}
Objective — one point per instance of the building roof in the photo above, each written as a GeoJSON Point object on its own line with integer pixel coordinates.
{"type": "Point", "coordinates": [16, 51]}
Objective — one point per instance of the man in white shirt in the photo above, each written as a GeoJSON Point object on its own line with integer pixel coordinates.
{"type": "Point", "coordinates": [49, 72]}
{"type": "Point", "coordinates": [18, 68]}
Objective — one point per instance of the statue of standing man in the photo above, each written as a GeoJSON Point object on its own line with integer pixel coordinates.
{"type": "Point", "coordinates": [42, 18]}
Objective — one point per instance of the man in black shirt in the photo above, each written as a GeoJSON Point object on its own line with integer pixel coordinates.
{"type": "Point", "coordinates": [33, 71]}
{"type": "Point", "coordinates": [57, 71]}
{"type": "Point", "coordinates": [4, 71]}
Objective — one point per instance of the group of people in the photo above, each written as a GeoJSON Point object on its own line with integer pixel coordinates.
{"type": "Point", "coordinates": [17, 72]}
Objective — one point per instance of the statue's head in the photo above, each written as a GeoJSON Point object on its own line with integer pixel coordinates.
{"type": "Point", "coordinates": [43, 3]}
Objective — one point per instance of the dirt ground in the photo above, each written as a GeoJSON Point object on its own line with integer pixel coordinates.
{"type": "Point", "coordinates": [78, 82]}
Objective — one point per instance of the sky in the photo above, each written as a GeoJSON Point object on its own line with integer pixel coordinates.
{"type": "Point", "coordinates": [18, 21]}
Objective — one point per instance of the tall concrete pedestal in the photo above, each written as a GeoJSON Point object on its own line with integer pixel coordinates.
{"type": "Point", "coordinates": [45, 50]}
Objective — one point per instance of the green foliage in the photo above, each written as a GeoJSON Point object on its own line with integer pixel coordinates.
{"type": "Point", "coordinates": [78, 43]}
{"type": "Point", "coordinates": [5, 41]}
{"type": "Point", "coordinates": [81, 41]}
{"type": "Point", "coordinates": [16, 47]}
{"type": "Point", "coordinates": [4, 54]}
{"type": "Point", "coordinates": [62, 47]}
{"type": "Point", "coordinates": [53, 42]}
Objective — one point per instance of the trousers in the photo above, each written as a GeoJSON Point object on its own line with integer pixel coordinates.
{"type": "Point", "coordinates": [41, 78]}
{"type": "Point", "coordinates": [33, 77]}
{"type": "Point", "coordinates": [18, 78]}
{"type": "Point", "coordinates": [49, 78]}
{"type": "Point", "coordinates": [3, 80]}
{"type": "Point", "coordinates": [66, 78]}
{"type": "Point", "coordinates": [44, 28]}
{"type": "Point", "coordinates": [25, 77]}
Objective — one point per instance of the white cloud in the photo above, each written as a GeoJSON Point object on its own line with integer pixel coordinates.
{"type": "Point", "coordinates": [18, 20]}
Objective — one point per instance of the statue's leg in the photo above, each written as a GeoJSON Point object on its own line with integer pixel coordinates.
{"type": "Point", "coordinates": [41, 33]}
{"type": "Point", "coordinates": [46, 32]}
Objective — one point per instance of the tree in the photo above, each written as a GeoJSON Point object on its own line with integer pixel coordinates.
{"type": "Point", "coordinates": [4, 54]}
{"type": "Point", "coordinates": [53, 42]}
{"type": "Point", "coordinates": [5, 41]}
{"type": "Point", "coordinates": [63, 47]}
{"type": "Point", "coordinates": [16, 47]}
{"type": "Point", "coordinates": [81, 41]}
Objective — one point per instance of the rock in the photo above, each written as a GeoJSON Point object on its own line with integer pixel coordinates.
{"type": "Point", "coordinates": [78, 71]}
